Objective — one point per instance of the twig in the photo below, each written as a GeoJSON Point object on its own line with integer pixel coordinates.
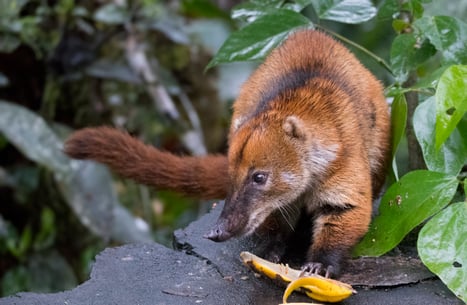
{"type": "Point", "coordinates": [416, 160]}
{"type": "Point", "coordinates": [378, 59]}
{"type": "Point", "coordinates": [193, 138]}
{"type": "Point", "coordinates": [197, 138]}
{"type": "Point", "coordinates": [138, 61]}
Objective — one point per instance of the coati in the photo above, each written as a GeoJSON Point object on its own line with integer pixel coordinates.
{"type": "Point", "coordinates": [309, 136]}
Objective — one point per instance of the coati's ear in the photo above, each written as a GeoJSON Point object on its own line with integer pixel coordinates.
{"type": "Point", "coordinates": [294, 128]}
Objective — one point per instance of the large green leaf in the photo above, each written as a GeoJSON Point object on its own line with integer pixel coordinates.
{"type": "Point", "coordinates": [442, 247]}
{"type": "Point", "coordinates": [86, 186]}
{"type": "Point", "coordinates": [257, 39]}
{"type": "Point", "coordinates": [452, 154]}
{"type": "Point", "coordinates": [345, 11]}
{"type": "Point", "coordinates": [447, 34]}
{"type": "Point", "coordinates": [406, 55]}
{"type": "Point", "coordinates": [30, 134]}
{"type": "Point", "coordinates": [398, 123]}
{"type": "Point", "coordinates": [407, 203]}
{"type": "Point", "coordinates": [451, 101]}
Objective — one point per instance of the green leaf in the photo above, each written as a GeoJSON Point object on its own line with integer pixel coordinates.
{"type": "Point", "coordinates": [443, 249]}
{"type": "Point", "coordinates": [31, 136]}
{"type": "Point", "coordinates": [447, 34]}
{"type": "Point", "coordinates": [257, 39]}
{"type": "Point", "coordinates": [299, 5]}
{"type": "Point", "coordinates": [407, 203]}
{"type": "Point", "coordinates": [40, 274]}
{"type": "Point", "coordinates": [451, 101]}
{"type": "Point", "coordinates": [398, 123]}
{"type": "Point", "coordinates": [391, 9]}
{"type": "Point", "coordinates": [452, 154]}
{"type": "Point", "coordinates": [111, 70]}
{"type": "Point", "coordinates": [11, 8]}
{"type": "Point", "coordinates": [250, 11]}
{"type": "Point", "coordinates": [46, 235]}
{"type": "Point", "coordinates": [85, 186]}
{"type": "Point", "coordinates": [407, 55]}
{"type": "Point", "coordinates": [345, 11]}
{"type": "Point", "coordinates": [9, 43]}
{"type": "Point", "coordinates": [430, 81]}
{"type": "Point", "coordinates": [202, 8]}
{"type": "Point", "coordinates": [400, 25]}
{"type": "Point", "coordinates": [111, 14]}
{"type": "Point", "coordinates": [25, 242]}
{"type": "Point", "coordinates": [15, 280]}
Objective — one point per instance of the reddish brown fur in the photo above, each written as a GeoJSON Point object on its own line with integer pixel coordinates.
{"type": "Point", "coordinates": [204, 177]}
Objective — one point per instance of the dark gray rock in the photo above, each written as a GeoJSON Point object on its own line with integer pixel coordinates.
{"type": "Point", "coordinates": [204, 272]}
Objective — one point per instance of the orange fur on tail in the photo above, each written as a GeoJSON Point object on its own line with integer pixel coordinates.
{"type": "Point", "coordinates": [201, 177]}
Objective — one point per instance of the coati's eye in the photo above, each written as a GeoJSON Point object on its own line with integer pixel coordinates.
{"type": "Point", "coordinates": [260, 178]}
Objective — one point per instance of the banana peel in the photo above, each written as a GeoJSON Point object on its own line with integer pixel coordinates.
{"type": "Point", "coordinates": [315, 286]}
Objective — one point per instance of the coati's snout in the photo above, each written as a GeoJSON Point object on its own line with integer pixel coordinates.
{"type": "Point", "coordinates": [230, 223]}
{"type": "Point", "coordinates": [219, 232]}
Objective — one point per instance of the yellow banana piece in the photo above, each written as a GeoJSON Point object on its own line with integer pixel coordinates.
{"type": "Point", "coordinates": [315, 286]}
{"type": "Point", "coordinates": [320, 289]}
{"type": "Point", "coordinates": [273, 271]}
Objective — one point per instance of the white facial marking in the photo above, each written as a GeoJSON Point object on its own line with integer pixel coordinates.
{"type": "Point", "coordinates": [256, 219]}
{"type": "Point", "coordinates": [237, 122]}
{"type": "Point", "coordinates": [289, 178]}
{"type": "Point", "coordinates": [323, 155]}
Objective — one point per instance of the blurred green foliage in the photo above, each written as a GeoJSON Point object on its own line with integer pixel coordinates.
{"type": "Point", "coordinates": [69, 64]}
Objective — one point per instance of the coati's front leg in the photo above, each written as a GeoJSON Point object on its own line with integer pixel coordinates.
{"type": "Point", "coordinates": [336, 230]}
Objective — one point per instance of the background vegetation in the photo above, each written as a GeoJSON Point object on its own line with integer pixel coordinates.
{"type": "Point", "coordinates": [68, 64]}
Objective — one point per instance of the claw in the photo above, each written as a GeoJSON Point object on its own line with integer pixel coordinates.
{"type": "Point", "coordinates": [317, 268]}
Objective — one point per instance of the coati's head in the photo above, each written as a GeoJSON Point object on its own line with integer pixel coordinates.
{"type": "Point", "coordinates": [272, 161]}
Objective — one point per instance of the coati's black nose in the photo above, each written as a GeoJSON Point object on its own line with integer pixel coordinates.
{"type": "Point", "coordinates": [218, 233]}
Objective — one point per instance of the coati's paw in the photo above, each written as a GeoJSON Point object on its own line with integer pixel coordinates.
{"type": "Point", "coordinates": [318, 268]}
